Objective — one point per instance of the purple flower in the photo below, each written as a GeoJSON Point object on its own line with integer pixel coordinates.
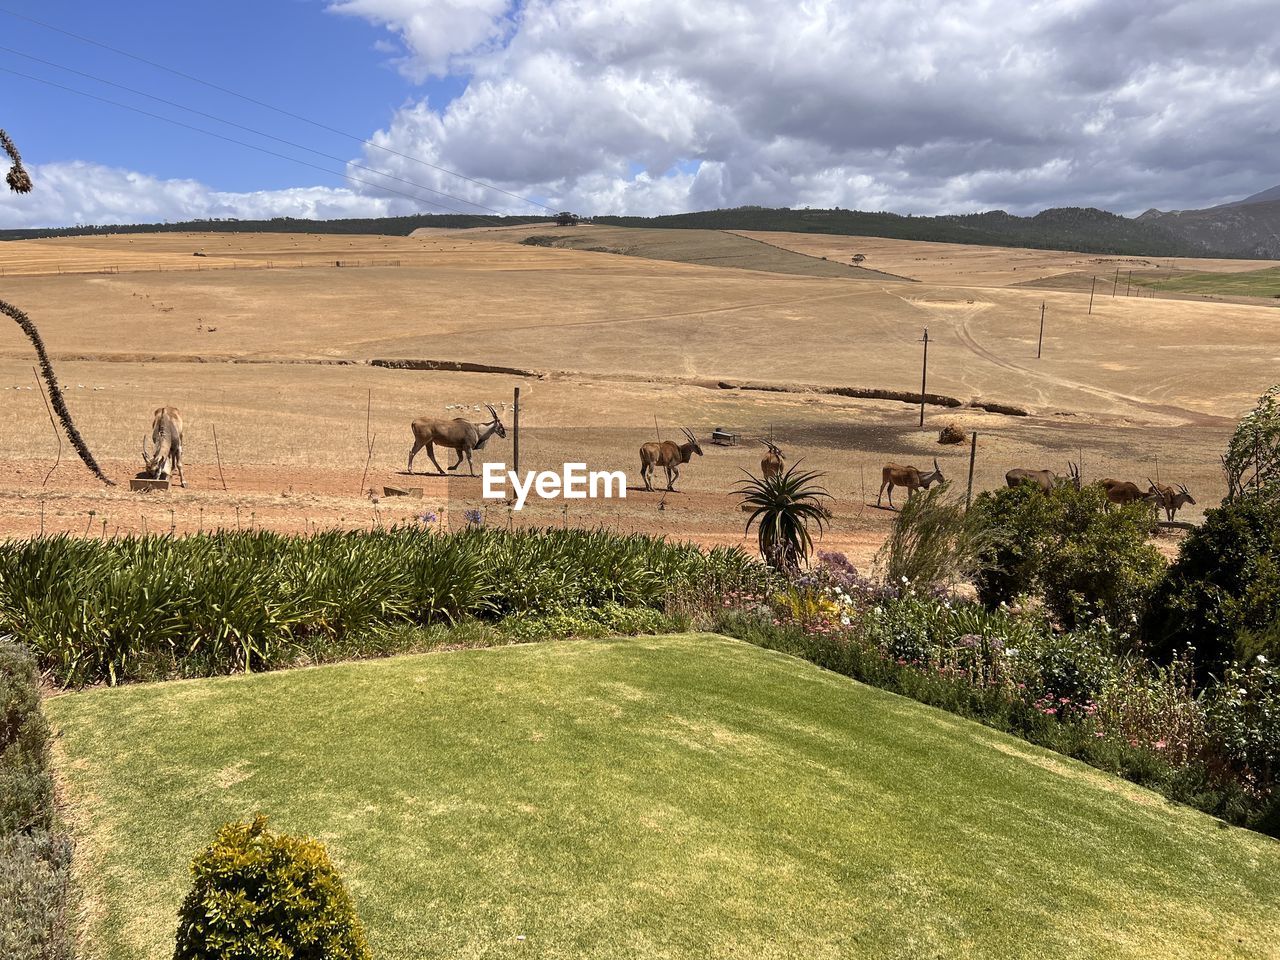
{"type": "Point", "coordinates": [474, 517]}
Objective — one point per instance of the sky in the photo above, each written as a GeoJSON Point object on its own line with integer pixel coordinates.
{"type": "Point", "coordinates": [635, 106]}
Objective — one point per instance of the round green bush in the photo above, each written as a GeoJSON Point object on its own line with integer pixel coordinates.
{"type": "Point", "coordinates": [1084, 559]}
{"type": "Point", "coordinates": [267, 896]}
{"type": "Point", "coordinates": [1220, 602]}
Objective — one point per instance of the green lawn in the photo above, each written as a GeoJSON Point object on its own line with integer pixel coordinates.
{"type": "Point", "coordinates": [672, 797]}
{"type": "Point", "coordinates": [1251, 283]}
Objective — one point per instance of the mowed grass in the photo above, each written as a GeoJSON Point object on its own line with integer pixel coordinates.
{"type": "Point", "coordinates": [658, 797]}
{"type": "Point", "coordinates": [1250, 283]}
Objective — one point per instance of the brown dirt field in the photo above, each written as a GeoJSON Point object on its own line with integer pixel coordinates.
{"type": "Point", "coordinates": [277, 360]}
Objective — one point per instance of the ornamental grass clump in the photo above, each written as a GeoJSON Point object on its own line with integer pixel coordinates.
{"type": "Point", "coordinates": [268, 897]}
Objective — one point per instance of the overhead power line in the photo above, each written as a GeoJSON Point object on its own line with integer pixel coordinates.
{"type": "Point", "coordinates": [242, 143]}
{"type": "Point", "coordinates": [241, 126]}
{"type": "Point", "coordinates": [268, 106]}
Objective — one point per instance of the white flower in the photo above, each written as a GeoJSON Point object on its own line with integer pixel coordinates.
{"type": "Point", "coordinates": [1011, 652]}
{"type": "Point", "coordinates": [1261, 658]}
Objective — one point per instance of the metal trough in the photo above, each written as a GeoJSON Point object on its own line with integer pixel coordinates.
{"type": "Point", "coordinates": [141, 485]}
{"type": "Point", "coordinates": [414, 493]}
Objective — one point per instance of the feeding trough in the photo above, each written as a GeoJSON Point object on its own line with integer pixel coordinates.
{"type": "Point", "coordinates": [724, 437]}
{"type": "Point", "coordinates": [145, 485]}
{"type": "Point", "coordinates": [414, 493]}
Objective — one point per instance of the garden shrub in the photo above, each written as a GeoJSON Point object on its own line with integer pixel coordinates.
{"type": "Point", "coordinates": [267, 896]}
{"type": "Point", "coordinates": [1085, 560]}
{"type": "Point", "coordinates": [1244, 716]}
{"type": "Point", "coordinates": [935, 541]}
{"type": "Point", "coordinates": [26, 788]}
{"type": "Point", "coordinates": [1220, 601]}
{"type": "Point", "coordinates": [1252, 460]}
{"type": "Point", "coordinates": [35, 922]}
{"type": "Point", "coordinates": [155, 607]}
{"type": "Point", "coordinates": [34, 857]}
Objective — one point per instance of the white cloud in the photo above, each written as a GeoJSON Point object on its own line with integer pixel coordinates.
{"type": "Point", "coordinates": [434, 32]}
{"type": "Point", "coordinates": [920, 105]}
{"type": "Point", "coordinates": [87, 193]}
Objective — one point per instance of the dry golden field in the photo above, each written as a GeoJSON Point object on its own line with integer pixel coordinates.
{"type": "Point", "coordinates": [277, 359]}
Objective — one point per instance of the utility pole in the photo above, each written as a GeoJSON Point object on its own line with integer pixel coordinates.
{"type": "Point", "coordinates": [1040, 342]}
{"type": "Point", "coordinates": [515, 433]}
{"type": "Point", "coordinates": [973, 455]}
{"type": "Point", "coordinates": [924, 373]}
{"type": "Point", "coordinates": [1091, 289]}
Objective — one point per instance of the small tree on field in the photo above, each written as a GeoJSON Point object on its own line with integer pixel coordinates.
{"type": "Point", "coordinates": [1252, 460]}
{"type": "Point", "coordinates": [859, 257]}
{"type": "Point", "coordinates": [566, 219]}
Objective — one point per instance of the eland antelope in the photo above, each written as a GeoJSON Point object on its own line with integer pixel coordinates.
{"type": "Point", "coordinates": [165, 457]}
{"type": "Point", "coordinates": [896, 475]}
{"type": "Point", "coordinates": [458, 434]}
{"type": "Point", "coordinates": [669, 455]}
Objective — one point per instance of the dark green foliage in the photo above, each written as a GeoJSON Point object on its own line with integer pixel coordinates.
{"type": "Point", "coordinates": [1064, 228]}
{"type": "Point", "coordinates": [26, 791]}
{"type": "Point", "coordinates": [1244, 713]}
{"type": "Point", "coordinates": [34, 858]}
{"type": "Point", "coordinates": [264, 896]}
{"type": "Point", "coordinates": [151, 607]}
{"type": "Point", "coordinates": [1252, 460]}
{"type": "Point", "coordinates": [1220, 601]}
{"type": "Point", "coordinates": [1085, 560]}
{"type": "Point", "coordinates": [783, 507]}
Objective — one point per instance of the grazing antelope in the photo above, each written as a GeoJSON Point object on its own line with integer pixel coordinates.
{"type": "Point", "coordinates": [1044, 479]}
{"type": "Point", "coordinates": [896, 475]}
{"type": "Point", "coordinates": [772, 463]}
{"type": "Point", "coordinates": [1172, 500]}
{"type": "Point", "coordinates": [1122, 492]}
{"type": "Point", "coordinates": [669, 455]}
{"type": "Point", "coordinates": [166, 441]}
{"type": "Point", "coordinates": [458, 434]}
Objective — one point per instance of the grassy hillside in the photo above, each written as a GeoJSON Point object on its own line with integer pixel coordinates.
{"type": "Point", "coordinates": [661, 797]}
{"type": "Point", "coordinates": [1082, 229]}
{"type": "Point", "coordinates": [1252, 283]}
{"type": "Point", "coordinates": [713, 248]}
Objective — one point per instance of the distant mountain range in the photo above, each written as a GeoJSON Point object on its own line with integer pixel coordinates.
{"type": "Point", "coordinates": [1244, 228]}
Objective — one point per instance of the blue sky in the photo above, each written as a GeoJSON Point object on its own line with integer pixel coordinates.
{"type": "Point", "coordinates": [654, 106]}
{"type": "Point", "coordinates": [290, 53]}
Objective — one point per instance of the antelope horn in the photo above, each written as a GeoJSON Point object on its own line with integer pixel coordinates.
{"type": "Point", "coordinates": [936, 468]}
{"type": "Point", "coordinates": [689, 433]}
{"type": "Point", "coordinates": [1183, 488]}
{"type": "Point", "coordinates": [1153, 484]}
{"type": "Point", "coordinates": [145, 455]}
{"type": "Point", "coordinates": [492, 412]}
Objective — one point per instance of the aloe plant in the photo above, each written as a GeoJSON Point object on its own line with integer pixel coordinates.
{"type": "Point", "coordinates": [55, 392]}
{"type": "Point", "coordinates": [783, 507]}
